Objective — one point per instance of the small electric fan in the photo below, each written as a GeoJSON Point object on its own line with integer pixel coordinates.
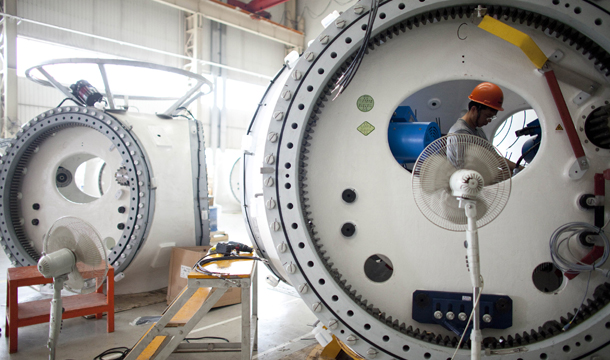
{"type": "Point", "coordinates": [461, 183]}
{"type": "Point", "coordinates": [74, 256]}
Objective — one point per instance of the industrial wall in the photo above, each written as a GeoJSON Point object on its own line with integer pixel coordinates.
{"type": "Point", "coordinates": [156, 26]}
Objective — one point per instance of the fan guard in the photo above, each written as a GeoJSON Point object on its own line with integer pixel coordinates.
{"type": "Point", "coordinates": [436, 164]}
{"type": "Point", "coordinates": [83, 240]}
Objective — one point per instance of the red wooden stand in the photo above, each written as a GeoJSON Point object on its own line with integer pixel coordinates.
{"type": "Point", "coordinates": [37, 312]}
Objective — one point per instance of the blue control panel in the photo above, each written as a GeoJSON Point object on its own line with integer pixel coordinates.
{"type": "Point", "coordinates": [452, 310]}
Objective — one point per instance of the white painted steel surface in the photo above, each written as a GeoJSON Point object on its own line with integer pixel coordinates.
{"type": "Point", "coordinates": [294, 205]}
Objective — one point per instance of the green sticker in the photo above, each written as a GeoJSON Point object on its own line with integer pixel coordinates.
{"type": "Point", "coordinates": [365, 103]}
{"type": "Point", "coordinates": [366, 128]}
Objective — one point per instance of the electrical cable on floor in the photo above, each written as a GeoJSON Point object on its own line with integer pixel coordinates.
{"type": "Point", "coordinates": [476, 303]}
{"type": "Point", "coordinates": [207, 337]}
{"type": "Point", "coordinates": [121, 351]}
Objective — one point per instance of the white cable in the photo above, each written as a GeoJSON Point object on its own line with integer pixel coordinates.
{"type": "Point", "coordinates": [476, 303]}
{"type": "Point", "coordinates": [574, 265]}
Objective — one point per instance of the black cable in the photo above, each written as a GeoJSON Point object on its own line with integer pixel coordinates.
{"type": "Point", "coordinates": [117, 350]}
{"type": "Point", "coordinates": [207, 337]}
{"type": "Point", "coordinates": [199, 145]}
{"type": "Point", "coordinates": [525, 154]}
{"type": "Point", "coordinates": [64, 100]}
{"type": "Point", "coordinates": [347, 76]}
{"type": "Point", "coordinates": [199, 266]}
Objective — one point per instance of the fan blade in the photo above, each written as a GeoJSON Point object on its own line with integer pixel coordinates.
{"type": "Point", "coordinates": [438, 170]}
{"type": "Point", "coordinates": [87, 252]}
{"type": "Point", "coordinates": [75, 281]}
{"type": "Point", "coordinates": [60, 237]}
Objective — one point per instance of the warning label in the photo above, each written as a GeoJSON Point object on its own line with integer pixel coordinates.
{"type": "Point", "coordinates": [366, 128]}
{"type": "Point", "coordinates": [184, 271]}
{"type": "Point", "coordinates": [365, 103]}
{"type": "Point", "coordinates": [559, 127]}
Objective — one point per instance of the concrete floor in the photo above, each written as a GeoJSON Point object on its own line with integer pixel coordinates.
{"type": "Point", "coordinates": [285, 322]}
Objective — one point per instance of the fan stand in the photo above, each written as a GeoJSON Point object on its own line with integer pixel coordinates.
{"type": "Point", "coordinates": [474, 266]}
{"type": "Point", "coordinates": [56, 314]}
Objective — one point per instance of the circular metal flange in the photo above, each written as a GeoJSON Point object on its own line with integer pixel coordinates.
{"type": "Point", "coordinates": [318, 281]}
{"type": "Point", "coordinates": [16, 242]}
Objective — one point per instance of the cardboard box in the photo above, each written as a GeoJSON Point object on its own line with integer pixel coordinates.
{"type": "Point", "coordinates": [181, 262]}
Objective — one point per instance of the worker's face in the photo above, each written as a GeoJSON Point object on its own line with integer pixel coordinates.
{"type": "Point", "coordinates": [485, 116]}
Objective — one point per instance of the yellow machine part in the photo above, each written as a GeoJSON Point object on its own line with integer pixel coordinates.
{"type": "Point", "coordinates": [515, 37]}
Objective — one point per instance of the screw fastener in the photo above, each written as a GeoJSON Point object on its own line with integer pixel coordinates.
{"type": "Point", "coordinates": [487, 318]}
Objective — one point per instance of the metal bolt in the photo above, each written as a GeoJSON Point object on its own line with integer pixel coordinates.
{"type": "Point", "coordinates": [372, 353]}
{"type": "Point", "coordinates": [325, 39]}
{"type": "Point", "coordinates": [462, 316]}
{"type": "Point", "coordinates": [596, 149]}
{"type": "Point", "coordinates": [450, 315]}
{"type": "Point", "coordinates": [303, 288]}
{"type": "Point", "coordinates": [141, 194]}
{"type": "Point", "coordinates": [133, 237]}
{"type": "Point", "coordinates": [276, 226]}
{"type": "Point", "coordinates": [317, 307]}
{"type": "Point", "coordinates": [438, 315]}
{"type": "Point", "coordinates": [581, 129]}
{"type": "Point", "coordinates": [128, 247]}
{"type": "Point", "coordinates": [310, 56]}
{"type": "Point", "coordinates": [36, 206]}
{"type": "Point", "coordinates": [120, 226]}
{"type": "Point", "coordinates": [269, 181]}
{"type": "Point", "coordinates": [297, 75]}
{"type": "Point", "coordinates": [487, 318]}
{"type": "Point", "coordinates": [586, 141]}
{"type": "Point", "coordinates": [278, 115]}
{"type": "Point", "coordinates": [136, 162]}
{"type": "Point", "coordinates": [137, 227]}
{"type": "Point", "coordinates": [358, 9]}
{"type": "Point", "coordinates": [139, 216]}
{"type": "Point", "coordinates": [282, 247]}
{"type": "Point", "coordinates": [35, 222]}
{"type": "Point", "coordinates": [271, 204]}
{"type": "Point", "coordinates": [123, 256]}
{"type": "Point", "coordinates": [333, 324]}
{"type": "Point", "coordinates": [121, 209]}
{"type": "Point", "coordinates": [291, 268]}
{"type": "Point", "coordinates": [273, 137]}
{"type": "Point", "coordinates": [121, 135]}
{"type": "Point", "coordinates": [287, 95]}
{"type": "Point", "coordinates": [270, 159]}
{"type": "Point", "coordinates": [141, 205]}
{"type": "Point", "coordinates": [340, 23]}
{"type": "Point", "coordinates": [128, 143]}
{"type": "Point", "coordinates": [351, 340]}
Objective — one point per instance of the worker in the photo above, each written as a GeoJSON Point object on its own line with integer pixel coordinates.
{"type": "Point", "coordinates": [485, 101]}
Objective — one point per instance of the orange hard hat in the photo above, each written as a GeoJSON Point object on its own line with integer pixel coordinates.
{"type": "Point", "coordinates": [488, 94]}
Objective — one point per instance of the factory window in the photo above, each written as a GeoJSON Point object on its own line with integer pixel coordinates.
{"type": "Point", "coordinates": [519, 136]}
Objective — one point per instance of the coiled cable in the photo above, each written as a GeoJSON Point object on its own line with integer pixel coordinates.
{"type": "Point", "coordinates": [573, 265]}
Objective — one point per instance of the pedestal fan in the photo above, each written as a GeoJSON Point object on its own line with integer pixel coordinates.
{"type": "Point", "coordinates": [461, 183]}
{"type": "Point", "coordinates": [74, 256]}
